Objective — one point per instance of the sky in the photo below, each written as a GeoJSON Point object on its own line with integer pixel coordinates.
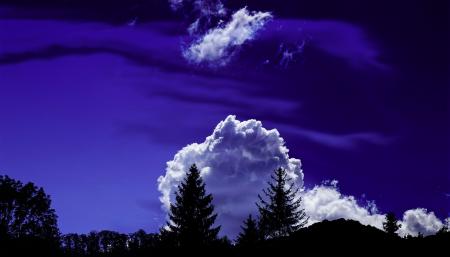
{"type": "Point", "coordinates": [96, 97]}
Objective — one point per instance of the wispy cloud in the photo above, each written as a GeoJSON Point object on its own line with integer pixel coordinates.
{"type": "Point", "coordinates": [220, 44]}
{"type": "Point", "coordinates": [215, 35]}
{"type": "Point", "coordinates": [346, 141]}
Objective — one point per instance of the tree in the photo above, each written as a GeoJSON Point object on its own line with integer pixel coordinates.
{"type": "Point", "coordinates": [391, 224]}
{"type": "Point", "coordinates": [140, 241]}
{"type": "Point", "coordinates": [250, 233]}
{"type": "Point", "coordinates": [137, 240]}
{"type": "Point", "coordinates": [191, 216]}
{"type": "Point", "coordinates": [92, 243]}
{"type": "Point", "coordinates": [25, 211]}
{"type": "Point", "coordinates": [444, 230]}
{"type": "Point", "coordinates": [281, 214]}
{"type": "Point", "coordinates": [112, 242]}
{"type": "Point", "coordinates": [74, 244]}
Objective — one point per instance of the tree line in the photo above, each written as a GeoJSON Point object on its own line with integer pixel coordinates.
{"type": "Point", "coordinates": [28, 224]}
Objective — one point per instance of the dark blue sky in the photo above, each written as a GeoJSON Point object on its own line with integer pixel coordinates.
{"type": "Point", "coordinates": [92, 108]}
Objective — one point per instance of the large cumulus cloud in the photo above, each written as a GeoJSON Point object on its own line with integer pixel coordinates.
{"type": "Point", "coordinates": [236, 162]}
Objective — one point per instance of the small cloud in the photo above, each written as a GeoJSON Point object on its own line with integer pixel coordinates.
{"type": "Point", "coordinates": [204, 14]}
{"type": "Point", "coordinates": [289, 53]}
{"type": "Point", "coordinates": [218, 45]}
{"type": "Point", "coordinates": [325, 202]}
{"type": "Point", "coordinates": [214, 36]}
{"type": "Point", "coordinates": [176, 4]}
{"type": "Point", "coordinates": [421, 221]}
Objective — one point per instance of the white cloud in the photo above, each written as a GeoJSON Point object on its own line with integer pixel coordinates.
{"type": "Point", "coordinates": [206, 13]}
{"type": "Point", "coordinates": [236, 162]}
{"type": "Point", "coordinates": [325, 202]}
{"type": "Point", "coordinates": [419, 220]}
{"type": "Point", "coordinates": [203, 7]}
{"type": "Point", "coordinates": [218, 45]}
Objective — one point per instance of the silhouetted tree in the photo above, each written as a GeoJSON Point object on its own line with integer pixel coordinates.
{"type": "Point", "coordinates": [92, 243]}
{"type": "Point", "coordinates": [391, 224]}
{"type": "Point", "coordinates": [444, 229]}
{"type": "Point", "coordinates": [192, 215]}
{"type": "Point", "coordinates": [141, 242]}
{"type": "Point", "coordinates": [74, 244]}
{"type": "Point", "coordinates": [112, 242]}
{"type": "Point", "coordinates": [250, 234]}
{"type": "Point", "coordinates": [281, 214]}
{"type": "Point", "coordinates": [28, 224]}
{"type": "Point", "coordinates": [137, 240]}
{"type": "Point", "coordinates": [25, 210]}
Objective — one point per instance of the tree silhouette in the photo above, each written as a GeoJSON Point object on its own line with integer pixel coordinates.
{"type": "Point", "coordinates": [281, 214]}
{"type": "Point", "coordinates": [25, 211]}
{"type": "Point", "coordinates": [191, 216]}
{"type": "Point", "coordinates": [92, 243]}
{"type": "Point", "coordinates": [137, 240]}
{"type": "Point", "coordinates": [140, 243]}
{"type": "Point", "coordinates": [112, 242]}
{"type": "Point", "coordinates": [74, 244]}
{"type": "Point", "coordinates": [250, 234]}
{"type": "Point", "coordinates": [391, 224]}
{"type": "Point", "coordinates": [444, 229]}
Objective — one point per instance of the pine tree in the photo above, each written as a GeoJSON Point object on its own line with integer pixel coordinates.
{"type": "Point", "coordinates": [281, 214]}
{"type": "Point", "coordinates": [250, 233]}
{"type": "Point", "coordinates": [445, 229]}
{"type": "Point", "coordinates": [391, 224]}
{"type": "Point", "coordinates": [191, 216]}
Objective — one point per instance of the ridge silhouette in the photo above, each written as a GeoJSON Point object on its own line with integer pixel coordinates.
{"type": "Point", "coordinates": [28, 228]}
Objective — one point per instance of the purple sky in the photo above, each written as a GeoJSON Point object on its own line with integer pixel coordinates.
{"type": "Point", "coordinates": [92, 108]}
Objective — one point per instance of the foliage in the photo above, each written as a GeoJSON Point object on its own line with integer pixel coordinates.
{"type": "Point", "coordinates": [250, 235]}
{"type": "Point", "coordinates": [391, 224]}
{"type": "Point", "coordinates": [281, 214]}
{"type": "Point", "coordinates": [25, 210]}
{"type": "Point", "coordinates": [192, 215]}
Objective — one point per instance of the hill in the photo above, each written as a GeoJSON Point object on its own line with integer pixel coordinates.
{"type": "Point", "coordinates": [350, 238]}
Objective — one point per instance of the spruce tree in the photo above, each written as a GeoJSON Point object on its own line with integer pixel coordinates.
{"type": "Point", "coordinates": [445, 229]}
{"type": "Point", "coordinates": [192, 215]}
{"type": "Point", "coordinates": [250, 234]}
{"type": "Point", "coordinates": [280, 213]}
{"type": "Point", "coordinates": [391, 224]}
